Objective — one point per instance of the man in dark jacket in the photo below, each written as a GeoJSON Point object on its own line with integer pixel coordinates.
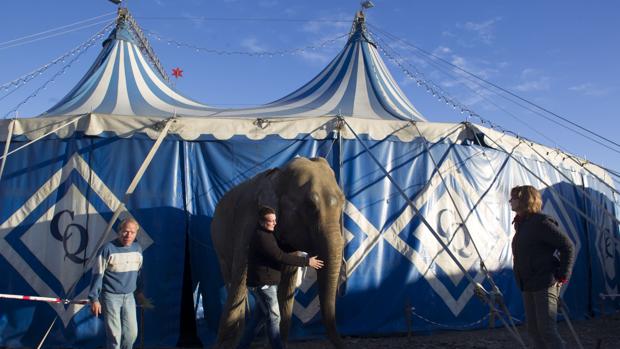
{"type": "Point", "coordinates": [539, 271]}
{"type": "Point", "coordinates": [264, 261]}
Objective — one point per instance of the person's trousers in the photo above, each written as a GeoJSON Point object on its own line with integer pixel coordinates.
{"type": "Point", "coordinates": [268, 311]}
{"type": "Point", "coordinates": [541, 308]}
{"type": "Point", "coordinates": [119, 316]}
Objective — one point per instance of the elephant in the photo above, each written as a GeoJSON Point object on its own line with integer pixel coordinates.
{"type": "Point", "coordinates": [309, 204]}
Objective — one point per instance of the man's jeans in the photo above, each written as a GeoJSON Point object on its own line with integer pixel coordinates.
{"type": "Point", "coordinates": [541, 309]}
{"type": "Point", "coordinates": [119, 315]}
{"type": "Point", "coordinates": [267, 310]}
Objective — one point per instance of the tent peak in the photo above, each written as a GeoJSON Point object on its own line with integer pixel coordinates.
{"type": "Point", "coordinates": [127, 79]}
{"type": "Point", "coordinates": [358, 29]}
{"type": "Point", "coordinates": [128, 29]}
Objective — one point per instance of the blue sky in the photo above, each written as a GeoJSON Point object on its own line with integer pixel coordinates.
{"type": "Point", "coordinates": [562, 55]}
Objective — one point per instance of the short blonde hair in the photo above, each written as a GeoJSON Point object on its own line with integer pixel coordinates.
{"type": "Point", "coordinates": [528, 197]}
{"type": "Point", "coordinates": [128, 220]}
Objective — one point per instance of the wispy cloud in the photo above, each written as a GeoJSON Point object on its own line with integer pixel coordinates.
{"type": "Point", "coordinates": [481, 68]}
{"type": "Point", "coordinates": [533, 80]}
{"type": "Point", "coordinates": [484, 31]}
{"type": "Point", "coordinates": [253, 45]}
{"type": "Point", "coordinates": [459, 86]}
{"type": "Point", "coordinates": [590, 89]}
{"type": "Point", "coordinates": [325, 28]}
{"type": "Point", "coordinates": [268, 3]}
{"type": "Point", "coordinates": [448, 34]}
{"type": "Point", "coordinates": [335, 22]}
{"type": "Point", "coordinates": [290, 11]}
{"type": "Point", "coordinates": [196, 22]}
{"type": "Point", "coordinates": [471, 34]}
{"type": "Point", "coordinates": [316, 57]}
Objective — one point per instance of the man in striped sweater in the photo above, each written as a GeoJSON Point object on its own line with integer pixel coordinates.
{"type": "Point", "coordinates": [116, 277]}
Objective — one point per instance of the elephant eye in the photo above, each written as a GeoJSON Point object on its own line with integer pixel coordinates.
{"type": "Point", "coordinates": [332, 201]}
{"type": "Point", "coordinates": [315, 198]}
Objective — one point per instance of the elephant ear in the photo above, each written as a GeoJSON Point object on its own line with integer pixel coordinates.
{"type": "Point", "coordinates": [267, 191]}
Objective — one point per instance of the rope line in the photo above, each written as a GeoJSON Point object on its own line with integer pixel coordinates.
{"type": "Point", "coordinates": [499, 87]}
{"type": "Point", "coordinates": [461, 327]}
{"type": "Point", "coordinates": [55, 29]}
{"type": "Point", "coordinates": [465, 229]}
{"type": "Point", "coordinates": [579, 188]}
{"type": "Point", "coordinates": [52, 79]}
{"type": "Point", "coordinates": [433, 88]}
{"type": "Point", "coordinates": [553, 191]}
{"type": "Point", "coordinates": [56, 34]}
{"type": "Point", "coordinates": [445, 248]}
{"type": "Point", "coordinates": [442, 95]}
{"type": "Point", "coordinates": [400, 61]}
{"type": "Point", "coordinates": [54, 130]}
{"type": "Point", "coordinates": [294, 51]}
{"type": "Point", "coordinates": [241, 19]}
{"type": "Point", "coordinates": [22, 80]}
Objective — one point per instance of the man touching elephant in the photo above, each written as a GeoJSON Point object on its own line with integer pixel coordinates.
{"type": "Point", "coordinates": [264, 261]}
{"type": "Point", "coordinates": [309, 203]}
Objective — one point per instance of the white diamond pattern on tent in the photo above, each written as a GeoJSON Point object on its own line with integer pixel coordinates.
{"type": "Point", "coordinates": [58, 240]}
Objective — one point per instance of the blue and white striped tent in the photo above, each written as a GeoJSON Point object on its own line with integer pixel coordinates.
{"type": "Point", "coordinates": [122, 82]}
{"type": "Point", "coordinates": [75, 164]}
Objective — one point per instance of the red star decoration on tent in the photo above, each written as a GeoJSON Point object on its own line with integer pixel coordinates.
{"type": "Point", "coordinates": [177, 72]}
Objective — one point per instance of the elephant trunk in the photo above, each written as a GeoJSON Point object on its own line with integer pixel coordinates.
{"type": "Point", "coordinates": [331, 253]}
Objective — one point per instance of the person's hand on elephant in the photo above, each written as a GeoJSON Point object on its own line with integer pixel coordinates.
{"type": "Point", "coordinates": [309, 205]}
{"type": "Point", "coordinates": [315, 262]}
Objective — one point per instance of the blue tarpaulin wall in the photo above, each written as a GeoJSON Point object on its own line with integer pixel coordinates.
{"type": "Point", "coordinates": [80, 181]}
{"type": "Point", "coordinates": [391, 256]}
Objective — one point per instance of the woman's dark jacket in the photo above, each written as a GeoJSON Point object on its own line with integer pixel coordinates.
{"type": "Point", "coordinates": [537, 237]}
{"type": "Point", "coordinates": [266, 257]}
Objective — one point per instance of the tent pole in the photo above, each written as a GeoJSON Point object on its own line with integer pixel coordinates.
{"type": "Point", "coordinates": [466, 229]}
{"type": "Point", "coordinates": [7, 145]}
{"type": "Point", "coordinates": [43, 136]}
{"type": "Point", "coordinates": [344, 267]}
{"type": "Point", "coordinates": [445, 247]}
{"type": "Point", "coordinates": [134, 183]}
{"type": "Point", "coordinates": [47, 333]}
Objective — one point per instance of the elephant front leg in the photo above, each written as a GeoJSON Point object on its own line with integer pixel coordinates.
{"type": "Point", "coordinates": [286, 298]}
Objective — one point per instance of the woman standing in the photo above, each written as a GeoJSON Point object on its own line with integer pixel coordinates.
{"type": "Point", "coordinates": [540, 271]}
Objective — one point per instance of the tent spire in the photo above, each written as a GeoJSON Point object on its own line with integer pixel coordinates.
{"type": "Point", "coordinates": [358, 29]}
{"type": "Point", "coordinates": [359, 23]}
{"type": "Point", "coordinates": [125, 18]}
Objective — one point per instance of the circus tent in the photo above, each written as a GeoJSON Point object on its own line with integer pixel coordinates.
{"type": "Point", "coordinates": [124, 143]}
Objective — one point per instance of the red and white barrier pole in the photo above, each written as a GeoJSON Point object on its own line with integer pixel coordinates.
{"type": "Point", "coordinates": [41, 299]}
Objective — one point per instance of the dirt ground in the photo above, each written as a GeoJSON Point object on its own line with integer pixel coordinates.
{"type": "Point", "coordinates": [600, 333]}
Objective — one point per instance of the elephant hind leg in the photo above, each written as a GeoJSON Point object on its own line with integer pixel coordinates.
{"type": "Point", "coordinates": [233, 315]}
